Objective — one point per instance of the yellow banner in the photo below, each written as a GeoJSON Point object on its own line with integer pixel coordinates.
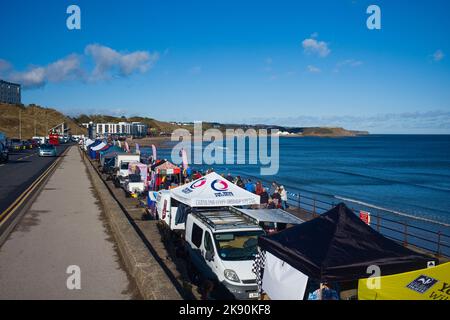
{"type": "Point", "coordinates": [424, 284]}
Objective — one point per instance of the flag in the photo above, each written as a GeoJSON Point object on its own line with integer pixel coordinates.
{"type": "Point", "coordinates": [154, 152]}
{"type": "Point", "coordinates": [184, 158]}
{"type": "Point", "coordinates": [127, 147]}
{"type": "Point", "coordinates": [138, 149]}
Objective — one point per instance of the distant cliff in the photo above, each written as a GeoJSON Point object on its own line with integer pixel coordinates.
{"type": "Point", "coordinates": [331, 132]}
{"type": "Point", "coordinates": [36, 119]}
{"type": "Point", "coordinates": [300, 131]}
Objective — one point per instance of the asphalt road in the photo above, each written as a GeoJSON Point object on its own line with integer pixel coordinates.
{"type": "Point", "coordinates": [18, 174]}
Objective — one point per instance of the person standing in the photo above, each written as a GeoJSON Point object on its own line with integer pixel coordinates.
{"type": "Point", "coordinates": [276, 198]}
{"type": "Point", "coordinates": [284, 198]}
{"type": "Point", "coordinates": [264, 198]}
{"type": "Point", "coordinates": [325, 292]}
{"type": "Point", "coordinates": [250, 186]}
{"type": "Point", "coordinates": [273, 187]}
{"type": "Point", "coordinates": [258, 188]}
{"type": "Point", "coordinates": [239, 182]}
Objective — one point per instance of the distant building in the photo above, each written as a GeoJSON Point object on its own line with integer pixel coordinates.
{"type": "Point", "coordinates": [10, 92]}
{"type": "Point", "coordinates": [135, 129]}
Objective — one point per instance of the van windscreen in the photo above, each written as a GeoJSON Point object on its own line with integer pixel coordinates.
{"type": "Point", "coordinates": [235, 246]}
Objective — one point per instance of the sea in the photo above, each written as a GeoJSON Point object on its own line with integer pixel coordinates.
{"type": "Point", "coordinates": [406, 175]}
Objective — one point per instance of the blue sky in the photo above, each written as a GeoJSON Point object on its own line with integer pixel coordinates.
{"type": "Point", "coordinates": [282, 62]}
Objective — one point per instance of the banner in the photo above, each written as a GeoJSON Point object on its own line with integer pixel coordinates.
{"type": "Point", "coordinates": [424, 284]}
{"type": "Point", "coordinates": [184, 158]}
{"type": "Point", "coordinates": [281, 281]}
{"type": "Point", "coordinates": [154, 152]}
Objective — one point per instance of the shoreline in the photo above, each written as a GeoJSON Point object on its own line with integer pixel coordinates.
{"type": "Point", "coordinates": [161, 142]}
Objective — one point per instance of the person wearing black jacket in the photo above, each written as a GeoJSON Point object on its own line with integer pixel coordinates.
{"type": "Point", "coordinates": [264, 197]}
{"type": "Point", "coordinates": [277, 199]}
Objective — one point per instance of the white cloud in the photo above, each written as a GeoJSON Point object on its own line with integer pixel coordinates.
{"type": "Point", "coordinates": [314, 35]}
{"type": "Point", "coordinates": [109, 61]}
{"type": "Point", "coordinates": [34, 77]}
{"type": "Point", "coordinates": [313, 69]}
{"type": "Point", "coordinates": [438, 55]}
{"type": "Point", "coordinates": [64, 69]}
{"type": "Point", "coordinates": [107, 64]}
{"type": "Point", "coordinates": [312, 46]}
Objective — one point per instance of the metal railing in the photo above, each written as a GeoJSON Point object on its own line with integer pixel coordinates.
{"type": "Point", "coordinates": [421, 233]}
{"type": "Point", "coordinates": [428, 235]}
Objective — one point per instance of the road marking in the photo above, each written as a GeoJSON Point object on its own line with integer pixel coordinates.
{"type": "Point", "coordinates": [21, 199]}
{"type": "Point", "coordinates": [1, 165]}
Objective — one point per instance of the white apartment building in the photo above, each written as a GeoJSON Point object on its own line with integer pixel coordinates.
{"type": "Point", "coordinates": [135, 129]}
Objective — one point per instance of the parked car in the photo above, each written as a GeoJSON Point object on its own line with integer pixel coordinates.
{"type": "Point", "coordinates": [47, 150]}
{"type": "Point", "coordinates": [26, 144]}
{"type": "Point", "coordinates": [15, 144]}
{"type": "Point", "coordinates": [34, 143]}
{"type": "Point", "coordinates": [222, 246]}
{"type": "Point", "coordinates": [4, 154]}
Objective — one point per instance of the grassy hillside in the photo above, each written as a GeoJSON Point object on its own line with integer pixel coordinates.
{"type": "Point", "coordinates": [35, 120]}
{"type": "Point", "coordinates": [331, 132]}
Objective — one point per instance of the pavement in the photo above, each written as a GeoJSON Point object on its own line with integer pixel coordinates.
{"type": "Point", "coordinates": [64, 227]}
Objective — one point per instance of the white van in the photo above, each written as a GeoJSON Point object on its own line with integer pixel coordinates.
{"type": "Point", "coordinates": [122, 161]}
{"type": "Point", "coordinates": [222, 246]}
{"type": "Point", "coordinates": [40, 140]}
{"type": "Point", "coordinates": [121, 166]}
{"type": "Point", "coordinates": [166, 209]}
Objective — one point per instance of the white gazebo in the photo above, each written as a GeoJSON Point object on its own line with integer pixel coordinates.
{"type": "Point", "coordinates": [213, 190]}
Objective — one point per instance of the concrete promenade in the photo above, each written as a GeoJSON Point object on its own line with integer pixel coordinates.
{"type": "Point", "coordinates": [64, 226]}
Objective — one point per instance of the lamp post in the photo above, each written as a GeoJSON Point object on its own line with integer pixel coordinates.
{"type": "Point", "coordinates": [20, 124]}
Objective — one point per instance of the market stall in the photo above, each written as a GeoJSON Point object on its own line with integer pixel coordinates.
{"type": "Point", "coordinates": [112, 149]}
{"type": "Point", "coordinates": [163, 175]}
{"type": "Point", "coordinates": [334, 247]}
{"type": "Point", "coordinates": [96, 146]}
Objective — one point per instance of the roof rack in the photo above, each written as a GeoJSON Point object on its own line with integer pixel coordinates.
{"type": "Point", "coordinates": [224, 219]}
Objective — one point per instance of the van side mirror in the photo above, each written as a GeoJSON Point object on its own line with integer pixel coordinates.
{"type": "Point", "coordinates": [209, 255]}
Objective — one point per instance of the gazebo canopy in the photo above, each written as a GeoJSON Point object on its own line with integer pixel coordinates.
{"type": "Point", "coordinates": [338, 246]}
{"type": "Point", "coordinates": [213, 190]}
